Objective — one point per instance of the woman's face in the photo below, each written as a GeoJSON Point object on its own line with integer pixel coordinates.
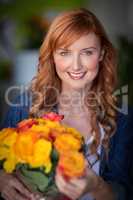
{"type": "Point", "coordinates": [78, 64]}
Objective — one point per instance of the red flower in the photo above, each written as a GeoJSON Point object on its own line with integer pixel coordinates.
{"type": "Point", "coordinates": [53, 116]}
{"type": "Point", "coordinates": [26, 124]}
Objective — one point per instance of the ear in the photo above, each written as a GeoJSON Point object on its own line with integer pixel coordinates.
{"type": "Point", "coordinates": [102, 55]}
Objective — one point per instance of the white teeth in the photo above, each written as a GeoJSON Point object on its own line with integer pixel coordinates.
{"type": "Point", "coordinates": [76, 75]}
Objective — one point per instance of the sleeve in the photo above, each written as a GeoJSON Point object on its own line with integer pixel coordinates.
{"type": "Point", "coordinates": [118, 167]}
{"type": "Point", "coordinates": [18, 111]}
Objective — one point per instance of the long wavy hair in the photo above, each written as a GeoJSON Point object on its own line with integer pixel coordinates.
{"type": "Point", "coordinates": [46, 86]}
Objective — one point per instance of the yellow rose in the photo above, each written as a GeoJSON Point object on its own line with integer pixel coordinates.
{"type": "Point", "coordinates": [41, 155]}
{"type": "Point", "coordinates": [11, 162]}
{"type": "Point", "coordinates": [7, 140]}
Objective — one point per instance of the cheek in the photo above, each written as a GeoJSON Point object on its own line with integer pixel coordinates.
{"type": "Point", "coordinates": [92, 63]}
{"type": "Point", "coordinates": [60, 65]}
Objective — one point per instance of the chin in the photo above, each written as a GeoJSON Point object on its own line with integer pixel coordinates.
{"type": "Point", "coordinates": [77, 86]}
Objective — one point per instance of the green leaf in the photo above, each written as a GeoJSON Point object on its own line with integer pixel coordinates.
{"type": "Point", "coordinates": [52, 190]}
{"type": "Point", "coordinates": [1, 163]}
{"type": "Point", "coordinates": [36, 178]}
{"type": "Point", "coordinates": [54, 155]}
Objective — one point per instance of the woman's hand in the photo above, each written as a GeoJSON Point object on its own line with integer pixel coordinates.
{"type": "Point", "coordinates": [12, 189]}
{"type": "Point", "coordinates": [76, 187]}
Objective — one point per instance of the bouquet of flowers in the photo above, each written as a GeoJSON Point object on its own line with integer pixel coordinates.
{"type": "Point", "coordinates": [37, 147]}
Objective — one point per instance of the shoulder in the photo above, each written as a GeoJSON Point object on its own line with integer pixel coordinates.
{"type": "Point", "coordinates": [125, 119]}
{"type": "Point", "coordinates": [122, 141]}
{"type": "Point", "coordinates": [18, 110]}
{"type": "Point", "coordinates": [124, 130]}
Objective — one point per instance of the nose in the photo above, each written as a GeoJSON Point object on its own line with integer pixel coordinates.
{"type": "Point", "coordinates": [76, 63]}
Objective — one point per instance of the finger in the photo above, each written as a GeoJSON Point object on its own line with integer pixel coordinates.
{"type": "Point", "coordinates": [20, 187]}
{"type": "Point", "coordinates": [71, 193]}
{"type": "Point", "coordinates": [12, 195]}
{"type": "Point", "coordinates": [7, 193]}
{"type": "Point", "coordinates": [80, 184]}
{"type": "Point", "coordinates": [4, 196]}
{"type": "Point", "coordinates": [37, 197]}
{"type": "Point", "coordinates": [73, 183]}
{"type": "Point", "coordinates": [62, 180]}
{"type": "Point", "coordinates": [78, 181]}
{"type": "Point", "coordinates": [66, 187]}
{"type": "Point", "coordinates": [18, 196]}
{"type": "Point", "coordinates": [59, 182]}
{"type": "Point", "coordinates": [34, 197]}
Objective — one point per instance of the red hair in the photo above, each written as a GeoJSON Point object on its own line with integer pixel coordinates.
{"type": "Point", "coordinates": [65, 29]}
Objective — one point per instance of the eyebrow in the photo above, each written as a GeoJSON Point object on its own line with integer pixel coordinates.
{"type": "Point", "coordinates": [87, 48]}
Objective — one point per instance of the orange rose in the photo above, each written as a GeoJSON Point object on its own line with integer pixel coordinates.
{"type": "Point", "coordinates": [66, 142]}
{"type": "Point", "coordinates": [72, 164]}
{"type": "Point", "coordinates": [23, 146]}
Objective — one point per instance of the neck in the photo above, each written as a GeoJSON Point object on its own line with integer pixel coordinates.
{"type": "Point", "coordinates": [72, 105]}
{"type": "Point", "coordinates": [72, 101]}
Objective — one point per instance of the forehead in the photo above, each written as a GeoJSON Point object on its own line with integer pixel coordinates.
{"type": "Point", "coordinates": [85, 41]}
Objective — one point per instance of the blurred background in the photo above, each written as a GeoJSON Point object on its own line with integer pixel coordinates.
{"type": "Point", "coordinates": [24, 23]}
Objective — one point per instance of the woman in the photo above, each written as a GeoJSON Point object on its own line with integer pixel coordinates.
{"type": "Point", "coordinates": [76, 77]}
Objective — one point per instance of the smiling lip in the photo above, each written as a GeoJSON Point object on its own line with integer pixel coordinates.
{"type": "Point", "coordinates": [77, 76]}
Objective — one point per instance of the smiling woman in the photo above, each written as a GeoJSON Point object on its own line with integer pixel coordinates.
{"type": "Point", "coordinates": [77, 77]}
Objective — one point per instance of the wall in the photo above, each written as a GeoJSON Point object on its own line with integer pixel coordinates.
{"type": "Point", "coordinates": [116, 15]}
